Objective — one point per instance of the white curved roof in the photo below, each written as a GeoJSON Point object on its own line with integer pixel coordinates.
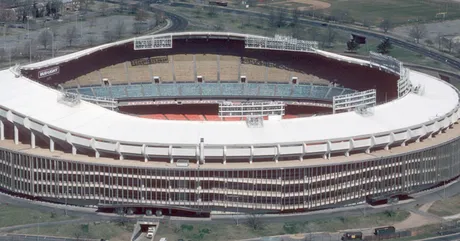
{"type": "Point", "coordinates": [39, 103]}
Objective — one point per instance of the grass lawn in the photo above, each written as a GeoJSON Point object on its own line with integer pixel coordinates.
{"type": "Point", "coordinates": [447, 207]}
{"type": "Point", "coordinates": [105, 230]}
{"type": "Point", "coordinates": [12, 215]}
{"type": "Point", "coordinates": [210, 232]}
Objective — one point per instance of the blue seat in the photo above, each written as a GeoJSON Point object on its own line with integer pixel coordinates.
{"type": "Point", "coordinates": [283, 90]}
{"type": "Point", "coordinates": [150, 90]}
{"type": "Point", "coordinates": [169, 90]}
{"type": "Point", "coordinates": [267, 90]}
{"type": "Point", "coordinates": [191, 89]}
{"type": "Point", "coordinates": [251, 89]}
{"type": "Point", "coordinates": [301, 91]}
{"type": "Point", "coordinates": [210, 89]}
{"type": "Point", "coordinates": [86, 91]}
{"type": "Point", "coordinates": [134, 90]}
{"type": "Point", "coordinates": [349, 91]}
{"type": "Point", "coordinates": [232, 89]}
{"type": "Point", "coordinates": [118, 91]}
{"type": "Point", "coordinates": [102, 92]}
{"type": "Point", "coordinates": [319, 91]}
{"type": "Point", "coordinates": [334, 92]}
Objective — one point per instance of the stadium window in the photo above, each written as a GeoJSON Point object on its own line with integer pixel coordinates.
{"type": "Point", "coordinates": [243, 79]}
{"type": "Point", "coordinates": [156, 79]}
{"type": "Point", "coordinates": [199, 79]}
{"type": "Point", "coordinates": [294, 80]}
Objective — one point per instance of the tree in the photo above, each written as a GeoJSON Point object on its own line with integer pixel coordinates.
{"type": "Point", "coordinates": [91, 40]}
{"type": "Point", "coordinates": [352, 45]}
{"type": "Point", "coordinates": [385, 46]}
{"type": "Point", "coordinates": [280, 18]}
{"type": "Point", "coordinates": [45, 38]}
{"type": "Point", "coordinates": [103, 8]}
{"type": "Point", "coordinates": [328, 37]}
{"type": "Point", "coordinates": [141, 15]}
{"type": "Point", "coordinates": [109, 34]}
{"type": "Point", "coordinates": [386, 25]}
{"type": "Point", "coordinates": [448, 43]}
{"type": "Point", "coordinates": [295, 17]}
{"type": "Point", "coordinates": [119, 29]}
{"type": "Point", "coordinates": [137, 27]}
{"type": "Point", "coordinates": [212, 11]}
{"type": "Point", "coordinates": [70, 35]}
{"type": "Point", "coordinates": [254, 221]}
{"type": "Point", "coordinates": [92, 22]}
{"type": "Point", "coordinates": [417, 31]}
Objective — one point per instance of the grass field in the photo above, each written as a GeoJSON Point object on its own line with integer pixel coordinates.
{"type": "Point", "coordinates": [108, 231]}
{"type": "Point", "coordinates": [212, 232]}
{"type": "Point", "coordinates": [447, 207]}
{"type": "Point", "coordinates": [11, 215]}
{"type": "Point", "coordinates": [400, 11]}
{"type": "Point", "coordinates": [373, 11]}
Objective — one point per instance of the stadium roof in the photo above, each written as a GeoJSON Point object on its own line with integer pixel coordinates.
{"type": "Point", "coordinates": [39, 103]}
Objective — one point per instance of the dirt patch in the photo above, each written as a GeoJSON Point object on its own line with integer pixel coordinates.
{"type": "Point", "coordinates": [310, 4]}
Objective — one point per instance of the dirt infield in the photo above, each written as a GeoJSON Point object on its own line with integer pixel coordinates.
{"type": "Point", "coordinates": [303, 4]}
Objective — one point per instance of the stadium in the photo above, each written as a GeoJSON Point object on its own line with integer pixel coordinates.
{"type": "Point", "coordinates": [198, 122]}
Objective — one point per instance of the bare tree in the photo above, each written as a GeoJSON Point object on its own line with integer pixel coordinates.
{"type": "Point", "coordinates": [30, 49]}
{"type": "Point", "coordinates": [119, 29]}
{"type": "Point", "coordinates": [92, 22]}
{"type": "Point", "coordinates": [70, 35]}
{"type": "Point", "coordinates": [45, 38]}
{"type": "Point", "coordinates": [386, 25]}
{"type": "Point", "coordinates": [103, 8]}
{"type": "Point", "coordinates": [328, 38]}
{"type": "Point", "coordinates": [137, 27]}
{"type": "Point", "coordinates": [109, 34]}
{"type": "Point", "coordinates": [141, 15]}
{"type": "Point", "coordinates": [152, 24]}
{"type": "Point", "coordinates": [254, 221]}
{"type": "Point", "coordinates": [91, 40]}
{"type": "Point", "coordinates": [448, 43]}
{"type": "Point", "coordinates": [295, 17]}
{"type": "Point", "coordinates": [417, 31]}
{"type": "Point", "coordinates": [2, 54]}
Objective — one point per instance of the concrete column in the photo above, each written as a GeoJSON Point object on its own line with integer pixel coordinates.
{"type": "Point", "coordinates": [97, 154]}
{"type": "Point", "coordinates": [32, 139]}
{"type": "Point", "coordinates": [51, 145]}
{"type": "Point", "coordinates": [2, 131]}
{"type": "Point", "coordinates": [172, 69]}
{"type": "Point", "coordinates": [218, 68]}
{"type": "Point", "coordinates": [74, 150]}
{"type": "Point", "coordinates": [127, 73]}
{"type": "Point", "coordinates": [146, 159]}
{"type": "Point", "coordinates": [151, 72]}
{"type": "Point", "coordinates": [16, 135]}
{"type": "Point", "coordinates": [266, 74]}
{"type": "Point", "coordinates": [121, 157]}
{"type": "Point", "coordinates": [194, 68]}
{"type": "Point", "coordinates": [239, 70]}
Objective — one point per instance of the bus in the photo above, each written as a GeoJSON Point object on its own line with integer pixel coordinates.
{"type": "Point", "coordinates": [384, 230]}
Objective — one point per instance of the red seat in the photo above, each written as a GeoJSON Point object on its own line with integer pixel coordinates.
{"type": "Point", "coordinates": [154, 116]}
{"type": "Point", "coordinates": [175, 117]}
{"type": "Point", "coordinates": [212, 117]}
{"type": "Point", "coordinates": [195, 117]}
{"type": "Point", "coordinates": [232, 118]}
